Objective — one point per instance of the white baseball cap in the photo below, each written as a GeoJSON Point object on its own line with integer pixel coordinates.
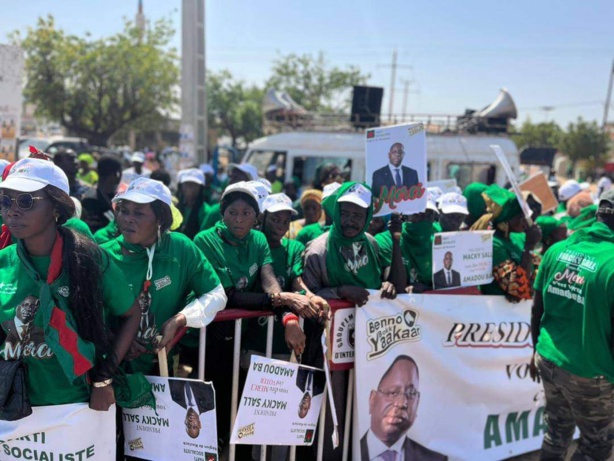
{"type": "Point", "coordinates": [191, 175]}
{"type": "Point", "coordinates": [330, 189]}
{"type": "Point", "coordinates": [585, 185]}
{"type": "Point", "coordinates": [435, 192]}
{"type": "Point", "coordinates": [3, 165]}
{"type": "Point", "coordinates": [138, 157]}
{"type": "Point", "coordinates": [271, 168]}
{"type": "Point", "coordinates": [145, 190]}
{"type": "Point", "coordinates": [278, 202]}
{"type": "Point", "coordinates": [206, 168]}
{"type": "Point", "coordinates": [357, 194]}
{"type": "Point", "coordinates": [248, 169]}
{"type": "Point", "coordinates": [451, 202]}
{"type": "Point", "coordinates": [430, 202]}
{"type": "Point", "coordinates": [262, 191]}
{"type": "Point", "coordinates": [604, 183]}
{"type": "Point", "coordinates": [245, 187]}
{"type": "Point", "coordinates": [33, 174]}
{"type": "Point", "coordinates": [569, 189]}
{"type": "Point", "coordinates": [266, 183]}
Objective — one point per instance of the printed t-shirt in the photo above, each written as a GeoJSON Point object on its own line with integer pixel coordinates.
{"type": "Point", "coordinates": [236, 266]}
{"type": "Point", "coordinates": [287, 265]}
{"type": "Point", "coordinates": [503, 250]}
{"type": "Point", "coordinates": [47, 383]}
{"type": "Point", "coordinates": [179, 269]}
{"type": "Point", "coordinates": [576, 279]}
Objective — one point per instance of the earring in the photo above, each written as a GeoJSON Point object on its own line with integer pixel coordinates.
{"type": "Point", "coordinates": [159, 234]}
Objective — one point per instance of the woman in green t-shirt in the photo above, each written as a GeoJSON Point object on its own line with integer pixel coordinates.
{"type": "Point", "coordinates": [192, 203]}
{"type": "Point", "coordinates": [57, 284]}
{"type": "Point", "coordinates": [513, 241]}
{"type": "Point", "coordinates": [287, 257]}
{"type": "Point", "coordinates": [163, 269]}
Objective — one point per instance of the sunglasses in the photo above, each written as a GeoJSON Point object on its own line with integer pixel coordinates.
{"type": "Point", "coordinates": [23, 201]}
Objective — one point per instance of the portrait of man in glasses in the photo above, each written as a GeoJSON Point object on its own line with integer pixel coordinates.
{"type": "Point", "coordinates": [393, 407]}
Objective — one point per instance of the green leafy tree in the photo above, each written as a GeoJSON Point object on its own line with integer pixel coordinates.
{"type": "Point", "coordinates": [584, 141]}
{"type": "Point", "coordinates": [233, 107]}
{"type": "Point", "coordinates": [546, 134]}
{"type": "Point", "coordinates": [94, 88]}
{"type": "Point", "coordinates": [312, 84]}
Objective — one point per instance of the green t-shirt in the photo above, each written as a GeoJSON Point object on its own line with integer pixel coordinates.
{"type": "Point", "coordinates": [416, 250]}
{"type": "Point", "coordinates": [287, 265]}
{"type": "Point", "coordinates": [203, 216]}
{"type": "Point", "coordinates": [311, 232]}
{"type": "Point", "coordinates": [79, 226]}
{"type": "Point", "coordinates": [236, 266]}
{"type": "Point", "coordinates": [47, 383]}
{"type": "Point", "coordinates": [502, 250]}
{"type": "Point", "coordinates": [108, 232]}
{"type": "Point", "coordinates": [179, 269]}
{"type": "Point", "coordinates": [212, 215]}
{"type": "Point", "coordinates": [576, 279]}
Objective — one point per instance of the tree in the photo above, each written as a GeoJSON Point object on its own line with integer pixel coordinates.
{"type": "Point", "coordinates": [233, 107]}
{"type": "Point", "coordinates": [546, 134]}
{"type": "Point", "coordinates": [94, 88]}
{"type": "Point", "coordinates": [312, 84]}
{"type": "Point", "coordinates": [584, 141]}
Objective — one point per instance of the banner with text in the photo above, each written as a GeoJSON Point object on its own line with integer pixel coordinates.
{"type": "Point", "coordinates": [182, 428]}
{"type": "Point", "coordinates": [280, 404]}
{"type": "Point", "coordinates": [60, 433]}
{"type": "Point", "coordinates": [448, 375]}
{"type": "Point", "coordinates": [462, 259]}
{"type": "Point", "coordinates": [396, 168]}
{"type": "Point", "coordinates": [342, 338]}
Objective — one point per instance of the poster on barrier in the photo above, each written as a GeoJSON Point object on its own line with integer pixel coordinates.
{"type": "Point", "coordinates": [342, 338]}
{"type": "Point", "coordinates": [182, 428]}
{"type": "Point", "coordinates": [462, 259]}
{"type": "Point", "coordinates": [445, 377]}
{"type": "Point", "coordinates": [396, 168]}
{"type": "Point", "coordinates": [280, 404]}
{"type": "Point", "coordinates": [60, 433]}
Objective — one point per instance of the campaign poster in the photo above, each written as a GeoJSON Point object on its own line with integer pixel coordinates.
{"type": "Point", "coordinates": [446, 185]}
{"type": "Point", "coordinates": [280, 404]}
{"type": "Point", "coordinates": [342, 338]}
{"type": "Point", "coordinates": [462, 259]}
{"type": "Point", "coordinates": [60, 433]}
{"type": "Point", "coordinates": [182, 428]}
{"type": "Point", "coordinates": [445, 377]}
{"type": "Point", "coordinates": [396, 168]}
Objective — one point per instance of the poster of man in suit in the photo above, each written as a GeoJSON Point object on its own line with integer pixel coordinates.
{"type": "Point", "coordinates": [197, 398]}
{"type": "Point", "coordinates": [396, 168]}
{"type": "Point", "coordinates": [447, 277]}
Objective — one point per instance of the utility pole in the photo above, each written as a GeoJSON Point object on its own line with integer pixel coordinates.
{"type": "Point", "coordinates": [547, 110]}
{"type": "Point", "coordinates": [607, 99]}
{"type": "Point", "coordinates": [393, 78]}
{"type": "Point", "coordinates": [406, 92]}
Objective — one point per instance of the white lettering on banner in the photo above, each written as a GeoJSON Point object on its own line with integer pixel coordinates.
{"type": "Point", "coordinates": [489, 334]}
{"type": "Point", "coordinates": [477, 401]}
{"type": "Point", "coordinates": [384, 333]}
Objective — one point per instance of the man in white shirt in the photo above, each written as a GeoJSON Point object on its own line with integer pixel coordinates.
{"type": "Point", "coordinates": [393, 407]}
{"type": "Point", "coordinates": [137, 169]}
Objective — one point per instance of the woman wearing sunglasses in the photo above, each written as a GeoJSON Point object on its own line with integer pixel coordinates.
{"type": "Point", "coordinates": [163, 268]}
{"type": "Point", "coordinates": [58, 284]}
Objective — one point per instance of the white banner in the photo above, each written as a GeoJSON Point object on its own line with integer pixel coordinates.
{"type": "Point", "coordinates": [396, 168]}
{"type": "Point", "coordinates": [60, 433]}
{"type": "Point", "coordinates": [445, 376]}
{"type": "Point", "coordinates": [342, 338]}
{"type": "Point", "coordinates": [462, 259]}
{"type": "Point", "coordinates": [182, 428]}
{"type": "Point", "coordinates": [280, 404]}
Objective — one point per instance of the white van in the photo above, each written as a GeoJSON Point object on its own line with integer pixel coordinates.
{"type": "Point", "coordinates": [466, 158]}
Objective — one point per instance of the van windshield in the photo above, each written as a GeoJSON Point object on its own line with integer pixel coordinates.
{"type": "Point", "coordinates": [466, 173]}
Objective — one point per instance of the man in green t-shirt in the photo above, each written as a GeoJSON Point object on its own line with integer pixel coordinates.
{"type": "Point", "coordinates": [571, 327]}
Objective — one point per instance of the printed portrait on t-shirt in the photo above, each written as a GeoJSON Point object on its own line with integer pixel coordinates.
{"type": "Point", "coordinates": [355, 257]}
{"type": "Point", "coordinates": [23, 338]}
{"type": "Point", "coordinates": [242, 283]}
{"type": "Point", "coordinates": [147, 331]}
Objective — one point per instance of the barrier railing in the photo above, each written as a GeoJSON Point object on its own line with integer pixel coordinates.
{"type": "Point", "coordinates": [238, 315]}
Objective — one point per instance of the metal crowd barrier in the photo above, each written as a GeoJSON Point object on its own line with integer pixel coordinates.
{"type": "Point", "coordinates": [238, 315]}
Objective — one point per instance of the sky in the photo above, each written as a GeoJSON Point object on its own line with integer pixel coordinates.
{"type": "Point", "coordinates": [456, 54]}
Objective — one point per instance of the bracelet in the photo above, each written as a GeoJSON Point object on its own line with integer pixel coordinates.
{"type": "Point", "coordinates": [276, 300]}
{"type": "Point", "coordinates": [104, 383]}
{"type": "Point", "coordinates": [289, 318]}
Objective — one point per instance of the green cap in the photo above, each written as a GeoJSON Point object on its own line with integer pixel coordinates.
{"type": "Point", "coordinates": [502, 203]}
{"type": "Point", "coordinates": [547, 224]}
{"type": "Point", "coordinates": [475, 202]}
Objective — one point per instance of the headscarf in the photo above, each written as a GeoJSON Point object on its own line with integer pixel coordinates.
{"type": "Point", "coordinates": [547, 224]}
{"type": "Point", "coordinates": [501, 206]}
{"type": "Point", "coordinates": [369, 276]}
{"type": "Point", "coordinates": [311, 194]}
{"type": "Point", "coordinates": [475, 202]}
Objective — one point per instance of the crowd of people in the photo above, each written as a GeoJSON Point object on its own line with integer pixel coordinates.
{"type": "Point", "coordinates": [127, 263]}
